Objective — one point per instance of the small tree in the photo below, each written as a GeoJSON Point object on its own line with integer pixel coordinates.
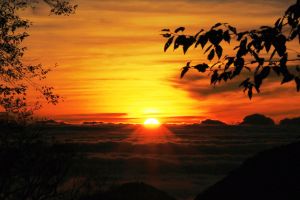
{"type": "Point", "coordinates": [16, 76]}
{"type": "Point", "coordinates": [248, 54]}
{"type": "Point", "coordinates": [31, 166]}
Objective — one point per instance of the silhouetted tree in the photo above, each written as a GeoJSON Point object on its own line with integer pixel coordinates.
{"type": "Point", "coordinates": [31, 166]}
{"type": "Point", "coordinates": [248, 55]}
{"type": "Point", "coordinates": [16, 76]}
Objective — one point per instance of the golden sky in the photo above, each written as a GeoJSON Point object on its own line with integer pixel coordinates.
{"type": "Point", "coordinates": [111, 63]}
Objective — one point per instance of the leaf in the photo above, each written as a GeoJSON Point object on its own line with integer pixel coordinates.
{"type": "Point", "coordinates": [216, 25]}
{"type": "Point", "coordinates": [211, 55]}
{"type": "Point", "coordinates": [208, 49]}
{"type": "Point", "coordinates": [165, 29]}
{"type": "Point", "coordinates": [185, 69]}
{"type": "Point", "coordinates": [198, 33]}
{"type": "Point", "coordinates": [214, 77]}
{"type": "Point", "coordinates": [245, 83]}
{"type": "Point", "coordinates": [268, 45]}
{"type": "Point", "coordinates": [201, 67]}
{"type": "Point", "coordinates": [278, 24]}
{"type": "Point", "coordinates": [250, 92]}
{"type": "Point", "coordinates": [265, 72]}
{"type": "Point", "coordinates": [180, 40]}
{"type": "Point", "coordinates": [294, 34]}
{"type": "Point", "coordinates": [239, 64]}
{"type": "Point", "coordinates": [219, 51]}
{"type": "Point", "coordinates": [215, 36]}
{"type": "Point", "coordinates": [203, 39]}
{"type": "Point", "coordinates": [226, 36]}
{"type": "Point", "coordinates": [230, 62]}
{"type": "Point", "coordinates": [297, 81]}
{"type": "Point", "coordinates": [241, 35]}
{"type": "Point", "coordinates": [280, 44]}
{"type": "Point", "coordinates": [287, 78]}
{"type": "Point", "coordinates": [188, 42]}
{"type": "Point", "coordinates": [179, 29]}
{"type": "Point", "coordinates": [277, 70]}
{"type": "Point", "coordinates": [232, 29]}
{"type": "Point", "coordinates": [166, 35]}
{"type": "Point", "coordinates": [168, 43]}
{"type": "Point", "coordinates": [242, 48]}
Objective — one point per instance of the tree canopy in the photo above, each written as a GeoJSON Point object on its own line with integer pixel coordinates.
{"type": "Point", "coordinates": [258, 51]}
{"type": "Point", "coordinates": [16, 77]}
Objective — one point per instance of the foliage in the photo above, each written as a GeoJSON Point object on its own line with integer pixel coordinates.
{"type": "Point", "coordinates": [32, 167]}
{"type": "Point", "coordinates": [266, 48]}
{"type": "Point", "coordinates": [16, 77]}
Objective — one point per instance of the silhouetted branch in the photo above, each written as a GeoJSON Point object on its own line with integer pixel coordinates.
{"type": "Point", "coordinates": [251, 44]}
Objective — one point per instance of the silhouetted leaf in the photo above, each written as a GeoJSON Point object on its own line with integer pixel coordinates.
{"type": "Point", "coordinates": [287, 78]}
{"type": "Point", "coordinates": [216, 25]}
{"type": "Point", "coordinates": [229, 62]}
{"type": "Point", "coordinates": [201, 67]}
{"type": "Point", "coordinates": [224, 76]}
{"type": "Point", "coordinates": [214, 77]}
{"type": "Point", "coordinates": [278, 24]}
{"type": "Point", "coordinates": [180, 40]}
{"type": "Point", "coordinates": [211, 55]}
{"type": "Point", "coordinates": [265, 72]}
{"type": "Point", "coordinates": [197, 34]}
{"type": "Point", "coordinates": [166, 35]}
{"type": "Point", "coordinates": [268, 45]}
{"type": "Point", "coordinates": [258, 79]}
{"type": "Point", "coordinates": [179, 29]}
{"type": "Point", "coordinates": [215, 36]}
{"type": "Point", "coordinates": [242, 48]}
{"type": "Point", "coordinates": [168, 43]}
{"type": "Point", "coordinates": [250, 92]}
{"type": "Point", "coordinates": [277, 70]}
{"type": "Point", "coordinates": [208, 48]}
{"type": "Point", "coordinates": [294, 34]}
{"type": "Point", "coordinates": [245, 83]}
{"type": "Point", "coordinates": [203, 39]}
{"type": "Point", "coordinates": [188, 42]}
{"type": "Point", "coordinates": [185, 70]}
{"type": "Point", "coordinates": [226, 36]}
{"type": "Point", "coordinates": [219, 51]}
{"type": "Point", "coordinates": [279, 44]}
{"type": "Point", "coordinates": [297, 81]}
{"type": "Point", "coordinates": [241, 35]}
{"type": "Point", "coordinates": [239, 64]}
{"type": "Point", "coordinates": [165, 29]}
{"type": "Point", "coordinates": [232, 29]}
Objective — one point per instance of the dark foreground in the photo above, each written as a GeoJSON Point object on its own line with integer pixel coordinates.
{"type": "Point", "coordinates": [180, 160]}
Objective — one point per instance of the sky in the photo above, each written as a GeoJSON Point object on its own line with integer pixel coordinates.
{"type": "Point", "coordinates": [111, 65]}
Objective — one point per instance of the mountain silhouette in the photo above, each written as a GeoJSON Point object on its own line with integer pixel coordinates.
{"type": "Point", "coordinates": [290, 122]}
{"type": "Point", "coordinates": [257, 120]}
{"type": "Point", "coordinates": [132, 191]}
{"type": "Point", "coordinates": [272, 174]}
{"type": "Point", "coordinates": [211, 122]}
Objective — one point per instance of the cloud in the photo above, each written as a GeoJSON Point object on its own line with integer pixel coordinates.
{"type": "Point", "coordinates": [97, 117]}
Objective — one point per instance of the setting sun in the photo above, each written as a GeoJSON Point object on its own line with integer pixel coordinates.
{"type": "Point", "coordinates": [151, 122]}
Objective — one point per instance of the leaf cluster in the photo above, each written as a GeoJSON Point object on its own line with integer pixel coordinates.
{"type": "Point", "coordinates": [259, 51]}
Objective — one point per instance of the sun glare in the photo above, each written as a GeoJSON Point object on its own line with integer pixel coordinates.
{"type": "Point", "coordinates": [151, 122]}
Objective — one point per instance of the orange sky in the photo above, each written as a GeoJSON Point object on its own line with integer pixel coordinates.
{"type": "Point", "coordinates": [111, 63]}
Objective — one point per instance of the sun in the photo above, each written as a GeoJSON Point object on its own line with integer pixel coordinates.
{"type": "Point", "coordinates": [151, 122]}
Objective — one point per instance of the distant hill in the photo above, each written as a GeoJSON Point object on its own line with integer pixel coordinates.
{"type": "Point", "coordinates": [273, 174]}
{"type": "Point", "coordinates": [211, 122]}
{"type": "Point", "coordinates": [132, 191]}
{"type": "Point", "coordinates": [290, 122]}
{"type": "Point", "coordinates": [257, 120]}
